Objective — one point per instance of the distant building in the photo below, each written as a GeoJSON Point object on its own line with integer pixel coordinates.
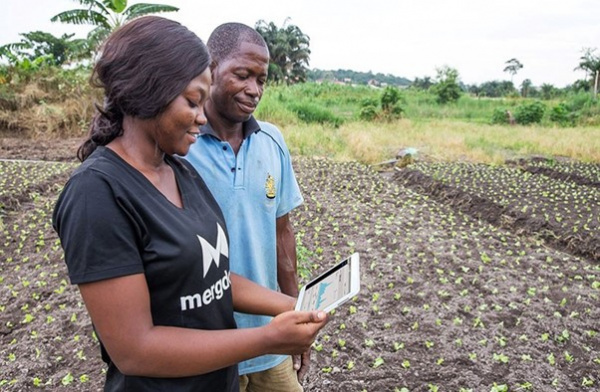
{"type": "Point", "coordinates": [373, 83]}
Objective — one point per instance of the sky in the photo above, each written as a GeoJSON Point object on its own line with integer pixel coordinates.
{"type": "Point", "coordinates": [406, 38]}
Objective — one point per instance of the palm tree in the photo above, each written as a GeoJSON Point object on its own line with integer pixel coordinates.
{"type": "Point", "coordinates": [513, 67]}
{"type": "Point", "coordinates": [299, 53]}
{"type": "Point", "coordinates": [525, 87]}
{"type": "Point", "coordinates": [288, 49]}
{"type": "Point", "coordinates": [107, 15]}
{"type": "Point", "coordinates": [54, 50]}
{"type": "Point", "coordinates": [590, 63]}
{"type": "Point", "coordinates": [548, 91]}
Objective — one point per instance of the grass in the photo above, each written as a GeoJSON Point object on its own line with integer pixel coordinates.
{"type": "Point", "coordinates": [324, 120]}
{"type": "Point", "coordinates": [444, 140]}
{"type": "Point", "coordinates": [459, 131]}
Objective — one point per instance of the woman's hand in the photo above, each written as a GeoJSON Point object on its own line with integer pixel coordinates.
{"type": "Point", "coordinates": [294, 332]}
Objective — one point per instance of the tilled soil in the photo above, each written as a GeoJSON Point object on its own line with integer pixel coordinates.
{"type": "Point", "coordinates": [450, 300]}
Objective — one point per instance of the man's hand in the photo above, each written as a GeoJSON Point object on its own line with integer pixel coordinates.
{"type": "Point", "coordinates": [302, 364]}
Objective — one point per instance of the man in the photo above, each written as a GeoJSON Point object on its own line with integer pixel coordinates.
{"type": "Point", "coordinates": [247, 166]}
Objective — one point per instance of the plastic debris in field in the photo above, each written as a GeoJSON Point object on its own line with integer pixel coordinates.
{"type": "Point", "coordinates": [406, 156]}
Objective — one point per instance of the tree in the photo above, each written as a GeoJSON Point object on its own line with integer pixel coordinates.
{"type": "Point", "coordinates": [422, 84]}
{"type": "Point", "coordinates": [513, 67]}
{"type": "Point", "coordinates": [548, 91]}
{"type": "Point", "coordinates": [288, 49]}
{"type": "Point", "coordinates": [38, 44]}
{"type": "Point", "coordinates": [525, 87]}
{"type": "Point", "coordinates": [590, 63]}
{"type": "Point", "coordinates": [474, 89]}
{"type": "Point", "coordinates": [447, 88]}
{"type": "Point", "coordinates": [107, 15]}
{"type": "Point", "coordinates": [580, 85]}
{"type": "Point", "coordinates": [496, 88]}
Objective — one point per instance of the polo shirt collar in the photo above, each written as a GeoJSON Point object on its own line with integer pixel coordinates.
{"type": "Point", "coordinates": [249, 127]}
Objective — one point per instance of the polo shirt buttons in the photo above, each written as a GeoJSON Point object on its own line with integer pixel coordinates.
{"type": "Point", "coordinates": [233, 169]}
{"type": "Point", "coordinates": [224, 148]}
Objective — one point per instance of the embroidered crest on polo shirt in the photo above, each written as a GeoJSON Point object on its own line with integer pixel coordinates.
{"type": "Point", "coordinates": [212, 254]}
{"type": "Point", "coordinates": [270, 187]}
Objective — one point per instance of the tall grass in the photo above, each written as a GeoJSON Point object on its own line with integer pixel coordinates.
{"type": "Point", "coordinates": [52, 102]}
{"type": "Point", "coordinates": [441, 140]}
{"type": "Point", "coordinates": [459, 131]}
{"type": "Point", "coordinates": [323, 120]}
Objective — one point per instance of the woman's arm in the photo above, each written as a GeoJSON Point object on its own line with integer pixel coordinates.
{"type": "Point", "coordinates": [120, 311]}
{"type": "Point", "coordinates": [252, 298]}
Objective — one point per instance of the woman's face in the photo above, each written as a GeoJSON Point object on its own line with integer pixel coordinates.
{"type": "Point", "coordinates": [178, 126]}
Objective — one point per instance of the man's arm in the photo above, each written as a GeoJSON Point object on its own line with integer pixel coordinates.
{"type": "Point", "coordinates": [287, 277]}
{"type": "Point", "coordinates": [287, 269]}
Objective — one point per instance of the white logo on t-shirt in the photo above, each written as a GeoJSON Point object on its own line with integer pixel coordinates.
{"type": "Point", "coordinates": [210, 254]}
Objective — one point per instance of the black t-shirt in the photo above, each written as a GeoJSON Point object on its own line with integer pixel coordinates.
{"type": "Point", "coordinates": [113, 222]}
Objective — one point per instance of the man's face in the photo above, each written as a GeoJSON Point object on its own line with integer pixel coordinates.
{"type": "Point", "coordinates": [238, 83]}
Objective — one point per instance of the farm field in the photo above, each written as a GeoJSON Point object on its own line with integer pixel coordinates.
{"type": "Point", "coordinates": [467, 284]}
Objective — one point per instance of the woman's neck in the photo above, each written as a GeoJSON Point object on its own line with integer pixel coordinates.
{"type": "Point", "coordinates": [137, 146]}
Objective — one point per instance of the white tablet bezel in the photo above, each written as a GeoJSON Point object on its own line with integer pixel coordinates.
{"type": "Point", "coordinates": [353, 261]}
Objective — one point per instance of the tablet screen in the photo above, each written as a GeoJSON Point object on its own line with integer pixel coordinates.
{"type": "Point", "coordinates": [328, 288]}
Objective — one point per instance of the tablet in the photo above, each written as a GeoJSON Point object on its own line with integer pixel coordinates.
{"type": "Point", "coordinates": [332, 288]}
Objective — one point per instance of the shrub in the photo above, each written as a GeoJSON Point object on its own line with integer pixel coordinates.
{"type": "Point", "coordinates": [530, 113]}
{"type": "Point", "coordinates": [447, 88]}
{"type": "Point", "coordinates": [499, 116]}
{"type": "Point", "coordinates": [313, 113]}
{"type": "Point", "coordinates": [447, 92]}
{"type": "Point", "coordinates": [389, 98]}
{"type": "Point", "coordinates": [562, 115]}
{"type": "Point", "coordinates": [389, 103]}
{"type": "Point", "coordinates": [368, 112]}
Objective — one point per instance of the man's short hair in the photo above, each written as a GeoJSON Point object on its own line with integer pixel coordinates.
{"type": "Point", "coordinates": [226, 39]}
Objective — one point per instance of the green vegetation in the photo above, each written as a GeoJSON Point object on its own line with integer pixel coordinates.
{"type": "Point", "coordinates": [361, 78]}
{"type": "Point", "coordinates": [107, 15]}
{"type": "Point", "coordinates": [466, 264]}
{"type": "Point", "coordinates": [289, 51]}
{"type": "Point", "coordinates": [42, 47]}
{"type": "Point", "coordinates": [446, 89]}
{"type": "Point", "coordinates": [347, 122]}
{"type": "Point", "coordinates": [466, 130]}
{"type": "Point", "coordinates": [346, 114]}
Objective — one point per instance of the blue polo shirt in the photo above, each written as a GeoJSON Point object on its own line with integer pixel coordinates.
{"type": "Point", "coordinates": [253, 188]}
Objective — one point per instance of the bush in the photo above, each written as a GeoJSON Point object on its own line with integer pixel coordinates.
{"type": "Point", "coordinates": [394, 112]}
{"type": "Point", "coordinates": [389, 103]}
{"type": "Point", "coordinates": [562, 115]}
{"type": "Point", "coordinates": [530, 113]}
{"type": "Point", "coordinates": [313, 113]}
{"type": "Point", "coordinates": [389, 98]}
{"type": "Point", "coordinates": [580, 101]}
{"type": "Point", "coordinates": [370, 101]}
{"type": "Point", "coordinates": [447, 92]}
{"type": "Point", "coordinates": [368, 112]}
{"type": "Point", "coordinates": [499, 116]}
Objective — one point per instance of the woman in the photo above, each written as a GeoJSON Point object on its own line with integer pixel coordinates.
{"type": "Point", "coordinates": [143, 237]}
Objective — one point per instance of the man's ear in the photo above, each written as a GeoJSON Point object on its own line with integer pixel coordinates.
{"type": "Point", "coordinates": [213, 66]}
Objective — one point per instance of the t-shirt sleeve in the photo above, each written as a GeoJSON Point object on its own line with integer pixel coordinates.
{"type": "Point", "coordinates": [97, 230]}
{"type": "Point", "coordinates": [290, 196]}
